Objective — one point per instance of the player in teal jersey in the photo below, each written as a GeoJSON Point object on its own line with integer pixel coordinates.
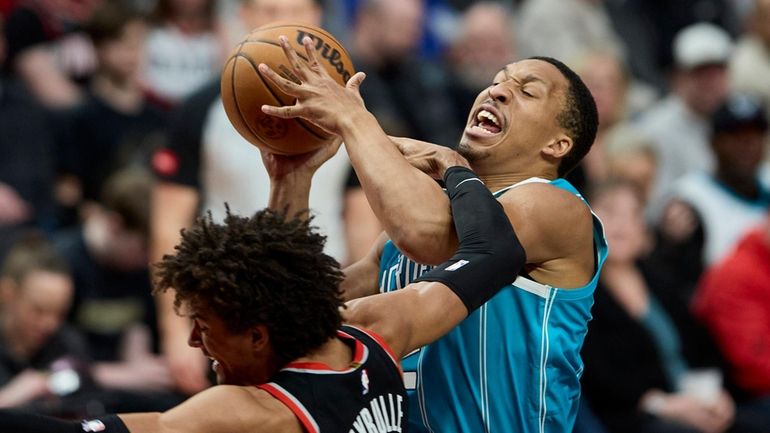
{"type": "Point", "coordinates": [513, 365]}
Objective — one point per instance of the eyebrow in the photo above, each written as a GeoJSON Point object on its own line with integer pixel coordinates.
{"type": "Point", "coordinates": [528, 79]}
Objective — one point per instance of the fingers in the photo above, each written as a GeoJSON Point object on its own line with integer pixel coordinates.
{"type": "Point", "coordinates": [312, 56]}
{"type": "Point", "coordinates": [286, 112]}
{"type": "Point", "coordinates": [299, 67]}
{"type": "Point", "coordinates": [286, 86]}
{"type": "Point", "coordinates": [354, 83]}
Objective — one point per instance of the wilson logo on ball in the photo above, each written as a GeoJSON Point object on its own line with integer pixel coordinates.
{"type": "Point", "coordinates": [332, 55]}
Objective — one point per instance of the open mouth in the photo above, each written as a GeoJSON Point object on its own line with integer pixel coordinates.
{"type": "Point", "coordinates": [486, 122]}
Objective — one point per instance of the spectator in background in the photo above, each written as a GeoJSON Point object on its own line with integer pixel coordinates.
{"type": "Point", "coordinates": [408, 95]}
{"type": "Point", "coordinates": [27, 143]}
{"type": "Point", "coordinates": [48, 50]}
{"type": "Point", "coordinates": [679, 124]}
{"type": "Point", "coordinates": [649, 27]}
{"type": "Point", "coordinates": [750, 65]}
{"type": "Point", "coordinates": [484, 43]}
{"type": "Point", "coordinates": [207, 163]}
{"type": "Point", "coordinates": [115, 126]}
{"type": "Point", "coordinates": [565, 28]}
{"type": "Point", "coordinates": [184, 50]}
{"type": "Point", "coordinates": [112, 304]}
{"type": "Point", "coordinates": [725, 202]}
{"type": "Point", "coordinates": [35, 294]}
{"type": "Point", "coordinates": [606, 78]}
{"type": "Point", "coordinates": [634, 363]}
{"type": "Point", "coordinates": [733, 300]}
{"type": "Point", "coordinates": [631, 157]}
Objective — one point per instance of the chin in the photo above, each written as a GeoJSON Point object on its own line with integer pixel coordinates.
{"type": "Point", "coordinates": [470, 153]}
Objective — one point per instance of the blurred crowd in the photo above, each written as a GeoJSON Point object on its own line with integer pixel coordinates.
{"type": "Point", "coordinates": [113, 138]}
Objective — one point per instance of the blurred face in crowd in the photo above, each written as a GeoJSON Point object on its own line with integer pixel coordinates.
{"type": "Point", "coordinates": [621, 211]}
{"type": "Point", "coordinates": [34, 308]}
{"type": "Point", "coordinates": [637, 167]}
{"type": "Point", "coordinates": [739, 153]}
{"type": "Point", "coordinates": [515, 118]}
{"type": "Point", "coordinates": [395, 26]}
{"type": "Point", "coordinates": [121, 58]}
{"type": "Point", "coordinates": [485, 44]}
{"type": "Point", "coordinates": [704, 88]}
{"type": "Point", "coordinates": [77, 11]}
{"type": "Point", "coordinates": [604, 76]}
{"type": "Point", "coordinates": [256, 13]}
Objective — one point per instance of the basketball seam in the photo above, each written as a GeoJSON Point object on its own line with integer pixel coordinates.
{"type": "Point", "coordinates": [234, 58]}
{"type": "Point", "coordinates": [300, 122]}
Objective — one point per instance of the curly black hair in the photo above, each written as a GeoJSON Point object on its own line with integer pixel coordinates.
{"type": "Point", "coordinates": [266, 269]}
{"type": "Point", "coordinates": [578, 117]}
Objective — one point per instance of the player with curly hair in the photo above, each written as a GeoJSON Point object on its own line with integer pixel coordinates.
{"type": "Point", "coordinates": [288, 354]}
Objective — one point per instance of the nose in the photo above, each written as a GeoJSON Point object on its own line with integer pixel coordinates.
{"type": "Point", "coordinates": [497, 92]}
{"type": "Point", "coordinates": [195, 337]}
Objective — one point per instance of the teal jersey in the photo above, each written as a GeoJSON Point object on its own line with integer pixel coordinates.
{"type": "Point", "coordinates": [513, 365]}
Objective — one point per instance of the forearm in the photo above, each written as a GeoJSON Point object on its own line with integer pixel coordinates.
{"type": "Point", "coordinates": [411, 206]}
{"type": "Point", "coordinates": [25, 422]}
{"type": "Point", "coordinates": [291, 194]}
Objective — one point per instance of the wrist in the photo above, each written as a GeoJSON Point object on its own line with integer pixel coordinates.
{"type": "Point", "coordinates": [357, 119]}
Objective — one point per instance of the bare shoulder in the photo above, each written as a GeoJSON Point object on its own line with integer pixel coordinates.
{"type": "Point", "coordinates": [226, 408]}
{"type": "Point", "coordinates": [556, 229]}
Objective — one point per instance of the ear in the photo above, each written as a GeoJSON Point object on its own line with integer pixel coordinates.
{"type": "Point", "coordinates": [558, 147]}
{"type": "Point", "coordinates": [260, 338]}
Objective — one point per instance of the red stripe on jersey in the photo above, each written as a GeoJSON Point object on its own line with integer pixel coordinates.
{"type": "Point", "coordinates": [289, 400]}
{"type": "Point", "coordinates": [374, 336]}
{"type": "Point", "coordinates": [359, 353]}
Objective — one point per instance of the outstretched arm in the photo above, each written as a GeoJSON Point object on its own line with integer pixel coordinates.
{"type": "Point", "coordinates": [248, 409]}
{"type": "Point", "coordinates": [412, 208]}
{"type": "Point", "coordinates": [488, 257]}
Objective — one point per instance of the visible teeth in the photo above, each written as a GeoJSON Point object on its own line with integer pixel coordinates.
{"type": "Point", "coordinates": [480, 129]}
{"type": "Point", "coordinates": [484, 114]}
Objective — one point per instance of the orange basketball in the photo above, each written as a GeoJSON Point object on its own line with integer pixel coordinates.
{"type": "Point", "coordinates": [245, 89]}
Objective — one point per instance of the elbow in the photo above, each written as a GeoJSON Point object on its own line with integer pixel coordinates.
{"type": "Point", "coordinates": [423, 244]}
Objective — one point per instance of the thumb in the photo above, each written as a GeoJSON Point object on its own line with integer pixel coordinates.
{"type": "Point", "coordinates": [354, 83]}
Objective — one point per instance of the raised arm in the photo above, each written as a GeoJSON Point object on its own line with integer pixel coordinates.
{"type": "Point", "coordinates": [413, 209]}
{"type": "Point", "coordinates": [488, 257]}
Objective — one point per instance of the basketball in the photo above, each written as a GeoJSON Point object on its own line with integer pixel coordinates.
{"type": "Point", "coordinates": [245, 89]}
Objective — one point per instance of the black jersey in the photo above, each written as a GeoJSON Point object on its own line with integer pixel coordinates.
{"type": "Point", "coordinates": [369, 396]}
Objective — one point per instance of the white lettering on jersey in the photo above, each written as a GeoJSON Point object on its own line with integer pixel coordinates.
{"type": "Point", "coordinates": [380, 416]}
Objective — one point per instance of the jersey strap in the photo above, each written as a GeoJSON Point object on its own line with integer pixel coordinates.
{"type": "Point", "coordinates": [299, 410]}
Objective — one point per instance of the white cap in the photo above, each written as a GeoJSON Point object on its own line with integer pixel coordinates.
{"type": "Point", "coordinates": [701, 44]}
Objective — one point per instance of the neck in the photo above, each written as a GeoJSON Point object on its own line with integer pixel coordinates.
{"type": "Point", "coordinates": [191, 23]}
{"type": "Point", "coordinates": [496, 182]}
{"type": "Point", "coordinates": [334, 353]}
{"type": "Point", "coordinates": [122, 95]}
{"type": "Point", "coordinates": [365, 51]}
{"type": "Point", "coordinates": [745, 186]}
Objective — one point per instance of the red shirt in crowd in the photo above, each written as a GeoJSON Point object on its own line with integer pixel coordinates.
{"type": "Point", "coordinates": [733, 301]}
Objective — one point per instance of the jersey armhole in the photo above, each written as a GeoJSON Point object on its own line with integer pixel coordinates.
{"type": "Point", "coordinates": [381, 342]}
{"type": "Point", "coordinates": [294, 405]}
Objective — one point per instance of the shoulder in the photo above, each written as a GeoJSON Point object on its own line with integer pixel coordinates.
{"type": "Point", "coordinates": [544, 204]}
{"type": "Point", "coordinates": [555, 226]}
{"type": "Point", "coordinates": [235, 408]}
